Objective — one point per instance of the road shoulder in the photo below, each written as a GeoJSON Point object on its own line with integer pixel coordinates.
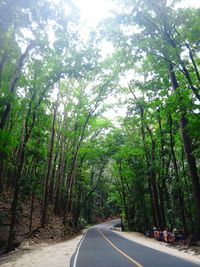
{"type": "Point", "coordinates": [41, 255]}
{"type": "Point", "coordinates": [186, 254]}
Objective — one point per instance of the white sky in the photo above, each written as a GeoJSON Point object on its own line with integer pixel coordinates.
{"type": "Point", "coordinates": [93, 12]}
{"type": "Point", "coordinates": [190, 3]}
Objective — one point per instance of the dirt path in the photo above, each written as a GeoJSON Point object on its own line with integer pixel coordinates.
{"type": "Point", "coordinates": [42, 255]}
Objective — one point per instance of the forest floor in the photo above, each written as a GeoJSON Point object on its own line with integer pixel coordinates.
{"type": "Point", "coordinates": [50, 246]}
{"type": "Point", "coordinates": [54, 231]}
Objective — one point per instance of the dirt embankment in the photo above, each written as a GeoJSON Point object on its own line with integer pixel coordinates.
{"type": "Point", "coordinates": [50, 246]}
{"type": "Point", "coordinates": [54, 231]}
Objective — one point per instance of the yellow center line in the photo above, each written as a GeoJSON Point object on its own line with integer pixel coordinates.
{"type": "Point", "coordinates": [137, 264]}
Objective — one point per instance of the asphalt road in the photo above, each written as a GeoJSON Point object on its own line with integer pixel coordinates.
{"type": "Point", "coordinates": [101, 247]}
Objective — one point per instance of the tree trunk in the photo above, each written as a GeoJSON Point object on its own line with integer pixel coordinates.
{"type": "Point", "coordinates": [80, 205]}
{"type": "Point", "coordinates": [71, 175]}
{"type": "Point", "coordinates": [53, 179]}
{"type": "Point", "coordinates": [185, 71]}
{"type": "Point", "coordinates": [162, 186]}
{"type": "Point", "coordinates": [188, 190]}
{"type": "Point", "coordinates": [180, 195]}
{"type": "Point", "coordinates": [68, 216]}
{"type": "Point", "coordinates": [192, 169]}
{"type": "Point", "coordinates": [154, 186]}
{"type": "Point", "coordinates": [61, 170]}
{"type": "Point", "coordinates": [189, 155]}
{"type": "Point", "coordinates": [49, 168]}
{"type": "Point", "coordinates": [31, 211]}
{"type": "Point", "coordinates": [148, 165]}
{"type": "Point", "coordinates": [20, 163]}
{"type": "Point", "coordinates": [123, 194]}
{"type": "Point", "coordinates": [193, 61]}
{"type": "Point", "coordinates": [2, 63]}
{"type": "Point", "coordinates": [13, 83]}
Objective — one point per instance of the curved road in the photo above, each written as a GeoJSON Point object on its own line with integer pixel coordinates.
{"type": "Point", "coordinates": [100, 247]}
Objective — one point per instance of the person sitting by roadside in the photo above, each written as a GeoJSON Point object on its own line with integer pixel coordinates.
{"type": "Point", "coordinates": [158, 234]}
{"type": "Point", "coordinates": [175, 231]}
{"type": "Point", "coordinates": [177, 234]}
{"type": "Point", "coordinates": [149, 233]}
{"type": "Point", "coordinates": [161, 234]}
{"type": "Point", "coordinates": [181, 236]}
{"type": "Point", "coordinates": [171, 237]}
{"type": "Point", "coordinates": [155, 232]}
{"type": "Point", "coordinates": [168, 236]}
{"type": "Point", "coordinates": [165, 235]}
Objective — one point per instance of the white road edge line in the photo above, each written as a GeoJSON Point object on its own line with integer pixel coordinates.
{"type": "Point", "coordinates": [77, 251]}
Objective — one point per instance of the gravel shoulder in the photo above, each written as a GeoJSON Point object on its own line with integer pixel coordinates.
{"type": "Point", "coordinates": [42, 255]}
{"type": "Point", "coordinates": [191, 253]}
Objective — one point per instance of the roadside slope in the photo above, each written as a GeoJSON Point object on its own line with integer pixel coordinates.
{"type": "Point", "coordinates": [41, 255]}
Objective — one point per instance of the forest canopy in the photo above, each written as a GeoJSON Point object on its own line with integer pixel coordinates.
{"type": "Point", "coordinates": [99, 115]}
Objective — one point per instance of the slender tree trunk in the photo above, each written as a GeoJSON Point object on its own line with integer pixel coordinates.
{"type": "Point", "coordinates": [189, 155]}
{"type": "Point", "coordinates": [77, 210]}
{"type": "Point", "coordinates": [31, 211]}
{"type": "Point", "coordinates": [2, 63]}
{"type": "Point", "coordinates": [71, 175]}
{"type": "Point", "coordinates": [80, 205]}
{"type": "Point", "coordinates": [1, 172]}
{"type": "Point", "coordinates": [32, 196]}
{"type": "Point", "coordinates": [153, 182]}
{"type": "Point", "coordinates": [21, 154]}
{"type": "Point", "coordinates": [154, 185]}
{"type": "Point", "coordinates": [187, 190]}
{"type": "Point", "coordinates": [180, 195]}
{"type": "Point", "coordinates": [61, 170]}
{"type": "Point", "coordinates": [68, 216]}
{"type": "Point", "coordinates": [162, 187]}
{"type": "Point", "coordinates": [192, 169]}
{"type": "Point", "coordinates": [193, 61]}
{"type": "Point", "coordinates": [49, 168]}
{"type": "Point", "coordinates": [123, 194]}
{"type": "Point", "coordinates": [162, 206]}
{"type": "Point", "coordinates": [13, 83]}
{"type": "Point", "coordinates": [53, 179]}
{"type": "Point", "coordinates": [148, 165]}
{"type": "Point", "coordinates": [185, 71]}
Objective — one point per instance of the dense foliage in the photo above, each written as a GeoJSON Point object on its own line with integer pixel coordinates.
{"type": "Point", "coordinates": [56, 144]}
